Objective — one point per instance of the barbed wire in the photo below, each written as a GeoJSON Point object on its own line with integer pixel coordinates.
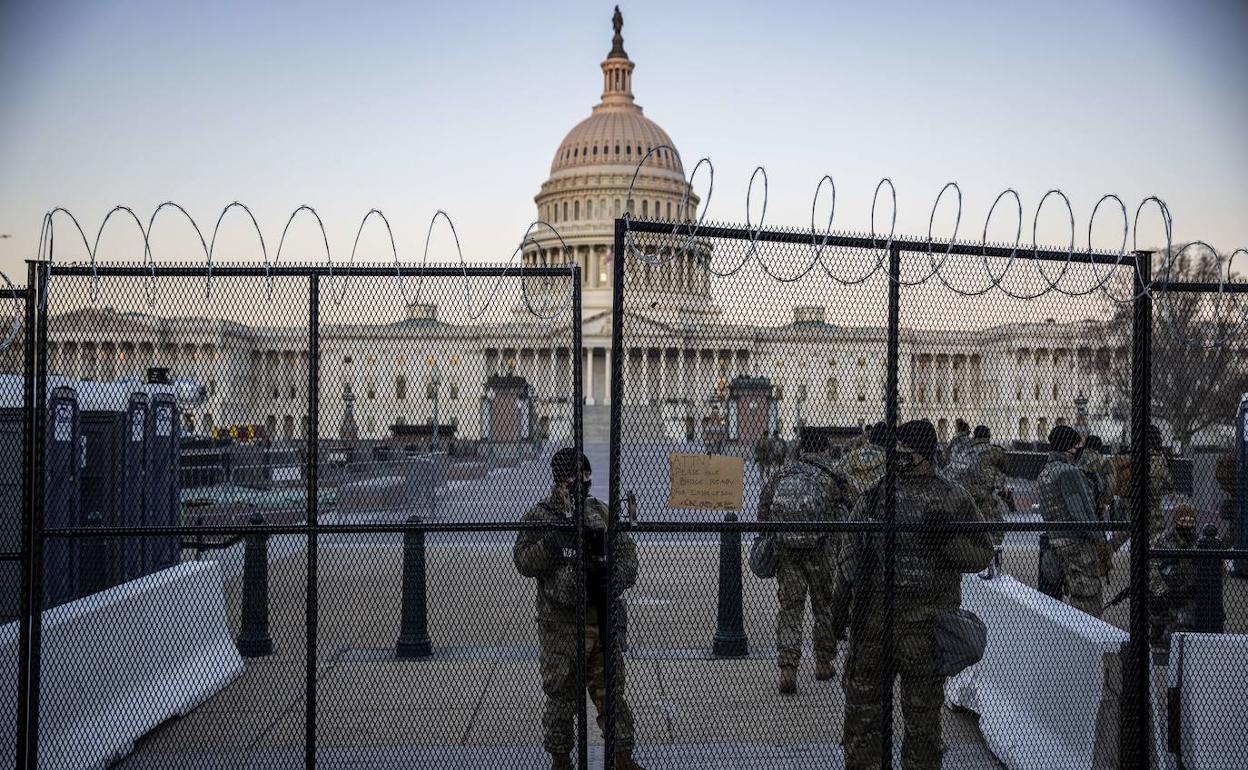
{"type": "Point", "coordinates": [339, 276]}
{"type": "Point", "coordinates": [689, 227]}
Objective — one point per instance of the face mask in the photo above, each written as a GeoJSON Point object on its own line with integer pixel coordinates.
{"type": "Point", "coordinates": [1185, 534]}
{"type": "Point", "coordinates": [906, 463]}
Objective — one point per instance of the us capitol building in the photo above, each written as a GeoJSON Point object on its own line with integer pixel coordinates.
{"type": "Point", "coordinates": [1018, 379]}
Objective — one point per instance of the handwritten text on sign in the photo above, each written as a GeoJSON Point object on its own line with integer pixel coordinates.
{"type": "Point", "coordinates": [710, 482]}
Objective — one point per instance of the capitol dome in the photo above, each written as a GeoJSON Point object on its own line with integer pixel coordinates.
{"type": "Point", "coordinates": [594, 178]}
{"type": "Point", "coordinates": [615, 134]}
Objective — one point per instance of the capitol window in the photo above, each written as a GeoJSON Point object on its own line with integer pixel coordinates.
{"type": "Point", "coordinates": [400, 388]}
{"type": "Point", "coordinates": [832, 389]}
{"type": "Point", "coordinates": [589, 209]}
{"type": "Point", "coordinates": [617, 149]}
{"type": "Point", "coordinates": [576, 210]}
{"type": "Point", "coordinates": [645, 209]}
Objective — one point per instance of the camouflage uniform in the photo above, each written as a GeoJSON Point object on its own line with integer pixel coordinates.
{"type": "Point", "coordinates": [556, 620]}
{"type": "Point", "coordinates": [1172, 587]}
{"type": "Point", "coordinates": [1065, 495]}
{"type": "Point", "coordinates": [928, 580]}
{"type": "Point", "coordinates": [985, 475]}
{"type": "Point", "coordinates": [1158, 480]}
{"type": "Point", "coordinates": [961, 442]}
{"type": "Point", "coordinates": [1100, 470]}
{"type": "Point", "coordinates": [803, 565]}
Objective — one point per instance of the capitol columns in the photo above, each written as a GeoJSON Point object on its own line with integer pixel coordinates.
{"type": "Point", "coordinates": [606, 398]}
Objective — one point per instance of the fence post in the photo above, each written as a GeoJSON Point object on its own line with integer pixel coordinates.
{"type": "Point", "coordinates": [35, 414]}
{"type": "Point", "coordinates": [413, 615]}
{"type": "Point", "coordinates": [254, 640]}
{"type": "Point", "coordinates": [1136, 728]}
{"type": "Point", "coordinates": [730, 640]}
{"type": "Point", "coordinates": [311, 515]}
{"type": "Point", "coordinates": [891, 408]}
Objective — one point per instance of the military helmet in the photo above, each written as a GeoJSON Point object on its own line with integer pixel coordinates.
{"type": "Point", "coordinates": [563, 464]}
{"type": "Point", "coordinates": [920, 436]}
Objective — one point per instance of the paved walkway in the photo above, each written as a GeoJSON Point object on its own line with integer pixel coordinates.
{"type": "Point", "coordinates": [476, 702]}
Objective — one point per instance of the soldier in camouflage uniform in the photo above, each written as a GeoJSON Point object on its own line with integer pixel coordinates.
{"type": "Point", "coordinates": [1066, 495]}
{"type": "Point", "coordinates": [961, 442]}
{"type": "Point", "coordinates": [984, 479]}
{"type": "Point", "coordinates": [1100, 472]}
{"type": "Point", "coordinates": [928, 581]}
{"type": "Point", "coordinates": [809, 489]}
{"type": "Point", "coordinates": [1159, 481]}
{"type": "Point", "coordinates": [778, 449]}
{"type": "Point", "coordinates": [1172, 582]}
{"type": "Point", "coordinates": [550, 557]}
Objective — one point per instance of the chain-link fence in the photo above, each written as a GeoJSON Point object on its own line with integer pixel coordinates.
{"type": "Point", "coordinates": [308, 516]}
{"type": "Point", "coordinates": [876, 416]}
{"type": "Point", "coordinates": [281, 510]}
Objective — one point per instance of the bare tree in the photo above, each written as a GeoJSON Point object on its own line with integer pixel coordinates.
{"type": "Point", "coordinates": [1199, 367]}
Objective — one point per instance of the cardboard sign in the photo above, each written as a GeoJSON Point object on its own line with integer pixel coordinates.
{"type": "Point", "coordinates": [709, 482]}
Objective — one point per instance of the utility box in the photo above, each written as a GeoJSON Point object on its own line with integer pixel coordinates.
{"type": "Point", "coordinates": [113, 487]}
{"type": "Point", "coordinates": [161, 448]}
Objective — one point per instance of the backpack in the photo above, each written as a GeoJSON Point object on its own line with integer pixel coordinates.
{"type": "Point", "coordinates": [798, 497]}
{"type": "Point", "coordinates": [963, 460]}
{"type": "Point", "coordinates": [764, 558]}
{"type": "Point", "coordinates": [961, 638]}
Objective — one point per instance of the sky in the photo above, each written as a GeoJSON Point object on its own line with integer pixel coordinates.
{"type": "Point", "coordinates": [414, 107]}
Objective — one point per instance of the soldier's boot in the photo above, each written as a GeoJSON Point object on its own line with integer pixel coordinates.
{"type": "Point", "coordinates": [788, 680]}
{"type": "Point", "coordinates": [560, 762]}
{"type": "Point", "coordinates": [824, 670]}
{"type": "Point", "coordinates": [624, 761]}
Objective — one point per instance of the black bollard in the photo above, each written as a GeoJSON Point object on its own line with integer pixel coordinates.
{"type": "Point", "coordinates": [254, 640]}
{"type": "Point", "coordinates": [730, 640]}
{"type": "Point", "coordinates": [413, 621]}
{"type": "Point", "coordinates": [1210, 612]}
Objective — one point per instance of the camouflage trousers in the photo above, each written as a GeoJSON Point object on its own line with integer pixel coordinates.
{"type": "Point", "coordinates": [557, 642]}
{"type": "Point", "coordinates": [800, 572]}
{"type": "Point", "coordinates": [1081, 565]}
{"type": "Point", "coordinates": [922, 696]}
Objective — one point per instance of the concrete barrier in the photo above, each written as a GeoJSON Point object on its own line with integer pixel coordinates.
{"type": "Point", "coordinates": [1207, 679]}
{"type": "Point", "coordinates": [1048, 689]}
{"type": "Point", "coordinates": [118, 663]}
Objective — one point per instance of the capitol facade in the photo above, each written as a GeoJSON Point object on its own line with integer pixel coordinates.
{"type": "Point", "coordinates": [1019, 379]}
